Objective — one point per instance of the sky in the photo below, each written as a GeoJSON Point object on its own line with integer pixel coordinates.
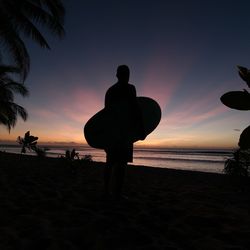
{"type": "Point", "coordinates": [183, 54]}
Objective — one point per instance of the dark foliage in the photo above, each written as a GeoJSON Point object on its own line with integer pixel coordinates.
{"type": "Point", "coordinates": [239, 100]}
{"type": "Point", "coordinates": [239, 165]}
{"type": "Point", "coordinates": [9, 110]}
{"type": "Point", "coordinates": [20, 18]}
{"type": "Point", "coordinates": [30, 142]}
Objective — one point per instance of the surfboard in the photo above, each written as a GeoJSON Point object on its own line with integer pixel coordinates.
{"type": "Point", "coordinates": [102, 129]}
{"type": "Point", "coordinates": [239, 100]}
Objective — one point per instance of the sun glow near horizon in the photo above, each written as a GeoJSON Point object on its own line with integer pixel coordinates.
{"type": "Point", "coordinates": [191, 122]}
{"type": "Point", "coordinates": [189, 118]}
{"type": "Point", "coordinates": [161, 137]}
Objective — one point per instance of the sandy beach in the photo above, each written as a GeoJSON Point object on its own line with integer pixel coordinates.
{"type": "Point", "coordinates": [46, 205]}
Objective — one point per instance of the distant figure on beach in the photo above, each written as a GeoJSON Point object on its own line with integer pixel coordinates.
{"type": "Point", "coordinates": [120, 100]}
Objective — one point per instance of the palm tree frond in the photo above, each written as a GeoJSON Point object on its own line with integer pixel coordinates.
{"type": "Point", "coordinates": [56, 8]}
{"type": "Point", "coordinates": [17, 49]}
{"type": "Point", "coordinates": [6, 95]}
{"type": "Point", "coordinates": [4, 69]}
{"type": "Point", "coordinates": [18, 88]}
{"type": "Point", "coordinates": [29, 29]}
{"type": "Point", "coordinates": [8, 116]}
{"type": "Point", "coordinates": [8, 109]}
{"type": "Point", "coordinates": [22, 112]}
{"type": "Point", "coordinates": [19, 17]}
{"type": "Point", "coordinates": [42, 17]}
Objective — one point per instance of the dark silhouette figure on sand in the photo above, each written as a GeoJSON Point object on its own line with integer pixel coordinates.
{"type": "Point", "coordinates": [120, 100]}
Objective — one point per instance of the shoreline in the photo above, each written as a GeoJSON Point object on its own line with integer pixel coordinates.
{"type": "Point", "coordinates": [101, 163]}
{"type": "Point", "coordinates": [46, 205]}
{"type": "Point", "coordinates": [193, 160]}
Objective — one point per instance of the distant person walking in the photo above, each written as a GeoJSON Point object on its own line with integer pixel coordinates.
{"type": "Point", "coordinates": [120, 101]}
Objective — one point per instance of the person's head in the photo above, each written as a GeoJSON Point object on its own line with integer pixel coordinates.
{"type": "Point", "coordinates": [122, 73]}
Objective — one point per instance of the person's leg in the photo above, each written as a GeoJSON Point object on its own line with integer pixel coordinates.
{"type": "Point", "coordinates": [119, 176]}
{"type": "Point", "coordinates": [107, 177]}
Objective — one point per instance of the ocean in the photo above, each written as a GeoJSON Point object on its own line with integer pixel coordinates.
{"type": "Point", "coordinates": [204, 160]}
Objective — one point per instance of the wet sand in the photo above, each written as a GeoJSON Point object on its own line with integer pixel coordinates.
{"type": "Point", "coordinates": [46, 205]}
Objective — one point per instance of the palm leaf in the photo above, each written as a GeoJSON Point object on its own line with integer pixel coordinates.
{"type": "Point", "coordinates": [55, 7]}
{"type": "Point", "coordinates": [3, 119]}
{"type": "Point", "coordinates": [244, 141]}
{"type": "Point", "coordinates": [6, 95]}
{"type": "Point", "coordinates": [8, 116]}
{"type": "Point", "coordinates": [42, 17]}
{"type": "Point", "coordinates": [4, 69]}
{"type": "Point", "coordinates": [16, 47]}
{"type": "Point", "coordinates": [17, 88]}
{"type": "Point", "coordinates": [9, 112]}
{"type": "Point", "coordinates": [24, 24]}
{"type": "Point", "coordinates": [21, 16]}
{"type": "Point", "coordinates": [244, 74]}
{"type": "Point", "coordinates": [20, 111]}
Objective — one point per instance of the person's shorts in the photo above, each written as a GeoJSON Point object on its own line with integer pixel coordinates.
{"type": "Point", "coordinates": [120, 153]}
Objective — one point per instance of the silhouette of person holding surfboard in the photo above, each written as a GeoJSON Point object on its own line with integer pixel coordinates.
{"type": "Point", "coordinates": [121, 102]}
{"type": "Point", "coordinates": [125, 119]}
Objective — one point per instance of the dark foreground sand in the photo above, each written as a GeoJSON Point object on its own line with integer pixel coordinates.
{"type": "Point", "coordinates": [43, 205]}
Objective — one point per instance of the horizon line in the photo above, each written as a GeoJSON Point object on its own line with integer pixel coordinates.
{"type": "Point", "coordinates": [66, 143]}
